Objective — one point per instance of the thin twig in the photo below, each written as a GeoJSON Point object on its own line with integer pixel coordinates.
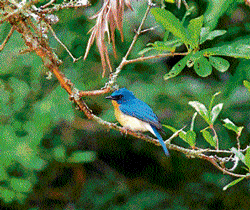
{"type": "Point", "coordinates": [124, 60]}
{"type": "Point", "coordinates": [54, 34]}
{"type": "Point", "coordinates": [48, 4]}
{"type": "Point", "coordinates": [7, 38]}
{"type": "Point", "coordinates": [152, 57]}
{"type": "Point", "coordinates": [216, 136]}
{"type": "Point", "coordinates": [185, 4]}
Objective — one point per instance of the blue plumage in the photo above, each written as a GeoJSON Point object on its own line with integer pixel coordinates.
{"type": "Point", "coordinates": [136, 114]}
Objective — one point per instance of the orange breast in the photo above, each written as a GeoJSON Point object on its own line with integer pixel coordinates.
{"type": "Point", "coordinates": [118, 113]}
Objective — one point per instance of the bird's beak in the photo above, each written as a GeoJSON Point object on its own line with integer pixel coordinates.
{"type": "Point", "coordinates": [109, 97]}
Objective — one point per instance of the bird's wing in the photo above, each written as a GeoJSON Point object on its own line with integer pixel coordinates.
{"type": "Point", "coordinates": [139, 109]}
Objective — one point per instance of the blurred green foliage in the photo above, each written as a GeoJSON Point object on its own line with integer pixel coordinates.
{"type": "Point", "coordinates": [44, 141]}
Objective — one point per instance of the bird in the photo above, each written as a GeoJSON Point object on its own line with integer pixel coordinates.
{"type": "Point", "coordinates": [136, 115]}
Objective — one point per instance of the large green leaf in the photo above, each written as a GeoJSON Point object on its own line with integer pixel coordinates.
{"type": "Point", "coordinates": [194, 29]}
{"type": "Point", "coordinates": [206, 34]}
{"type": "Point", "coordinates": [236, 49]}
{"type": "Point", "coordinates": [202, 67]}
{"type": "Point", "coordinates": [170, 23]}
{"type": "Point", "coordinates": [220, 64]}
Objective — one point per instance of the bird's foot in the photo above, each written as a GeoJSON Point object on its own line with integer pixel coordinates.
{"type": "Point", "coordinates": [124, 130]}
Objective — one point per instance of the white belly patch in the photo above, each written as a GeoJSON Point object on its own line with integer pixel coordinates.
{"type": "Point", "coordinates": [133, 123]}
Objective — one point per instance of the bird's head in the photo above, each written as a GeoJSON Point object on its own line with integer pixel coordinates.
{"type": "Point", "coordinates": [121, 95]}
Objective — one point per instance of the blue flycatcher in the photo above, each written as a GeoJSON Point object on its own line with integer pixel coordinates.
{"type": "Point", "coordinates": [135, 114]}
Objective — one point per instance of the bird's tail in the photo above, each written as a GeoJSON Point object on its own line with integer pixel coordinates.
{"type": "Point", "coordinates": [158, 135]}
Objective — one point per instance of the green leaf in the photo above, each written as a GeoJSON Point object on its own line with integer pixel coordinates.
{"type": "Point", "coordinates": [82, 157]}
{"type": "Point", "coordinates": [162, 46]}
{"type": "Point", "coordinates": [247, 84]}
{"type": "Point", "coordinates": [60, 153]}
{"type": "Point", "coordinates": [220, 64]}
{"type": "Point", "coordinates": [194, 29]}
{"type": "Point", "coordinates": [209, 138]}
{"type": "Point", "coordinates": [170, 23]}
{"type": "Point", "coordinates": [215, 112]}
{"type": "Point", "coordinates": [233, 183]}
{"type": "Point", "coordinates": [231, 126]}
{"type": "Point", "coordinates": [182, 134]}
{"type": "Point", "coordinates": [239, 155]}
{"type": "Point", "coordinates": [207, 35]}
{"type": "Point", "coordinates": [190, 138]}
{"type": "Point", "coordinates": [21, 185]}
{"type": "Point", "coordinates": [3, 173]}
{"type": "Point", "coordinates": [202, 67]}
{"type": "Point", "coordinates": [236, 49]}
{"type": "Point", "coordinates": [247, 157]}
{"type": "Point", "coordinates": [7, 195]}
{"type": "Point", "coordinates": [201, 109]}
{"type": "Point", "coordinates": [194, 58]}
{"type": "Point", "coordinates": [177, 68]}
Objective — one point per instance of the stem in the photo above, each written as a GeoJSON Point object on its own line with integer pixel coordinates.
{"type": "Point", "coordinates": [7, 38]}
{"type": "Point", "coordinates": [216, 137]}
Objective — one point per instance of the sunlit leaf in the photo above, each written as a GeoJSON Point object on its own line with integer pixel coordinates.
{"type": "Point", "coordinates": [201, 109]}
{"type": "Point", "coordinates": [209, 138]}
{"type": "Point", "coordinates": [82, 157]}
{"type": "Point", "coordinates": [220, 64]}
{"type": "Point", "coordinates": [233, 183]}
{"type": "Point", "coordinates": [170, 1]}
{"type": "Point", "coordinates": [177, 68]}
{"type": "Point", "coordinates": [207, 35]}
{"type": "Point", "coordinates": [247, 84]}
{"type": "Point", "coordinates": [239, 155]}
{"type": "Point", "coordinates": [202, 67]}
{"type": "Point", "coordinates": [20, 185]}
{"type": "Point", "coordinates": [194, 29]}
{"type": "Point", "coordinates": [231, 126]}
{"type": "Point", "coordinates": [190, 138]}
{"type": "Point", "coordinates": [7, 195]}
{"type": "Point", "coordinates": [215, 112]}
{"type": "Point", "coordinates": [170, 23]}
{"type": "Point", "coordinates": [247, 158]}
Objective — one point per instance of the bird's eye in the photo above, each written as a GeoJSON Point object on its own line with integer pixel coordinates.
{"type": "Point", "coordinates": [120, 97]}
